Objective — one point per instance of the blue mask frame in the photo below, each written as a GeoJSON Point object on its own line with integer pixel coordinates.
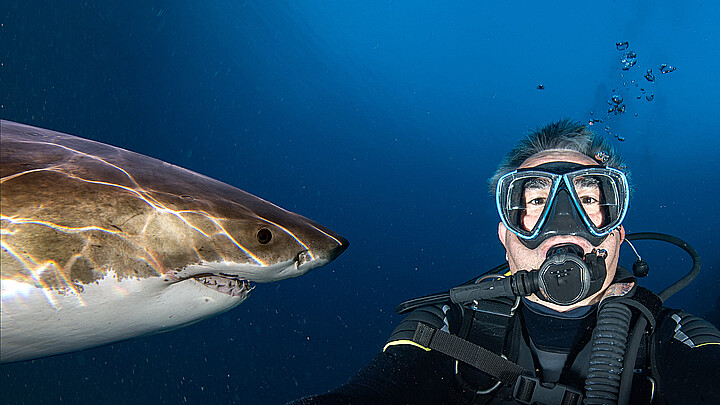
{"type": "Point", "coordinates": [563, 213]}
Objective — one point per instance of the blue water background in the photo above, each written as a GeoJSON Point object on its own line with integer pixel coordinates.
{"type": "Point", "coordinates": [379, 119]}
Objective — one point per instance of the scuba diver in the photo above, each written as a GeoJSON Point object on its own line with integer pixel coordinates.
{"type": "Point", "coordinates": [566, 324]}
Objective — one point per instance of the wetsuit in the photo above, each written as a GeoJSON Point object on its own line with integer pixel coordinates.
{"type": "Point", "coordinates": [550, 345]}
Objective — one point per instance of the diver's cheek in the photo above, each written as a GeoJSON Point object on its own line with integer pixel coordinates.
{"type": "Point", "coordinates": [597, 218]}
{"type": "Point", "coordinates": [612, 247]}
{"type": "Point", "coordinates": [520, 257]}
{"type": "Point", "coordinates": [513, 252]}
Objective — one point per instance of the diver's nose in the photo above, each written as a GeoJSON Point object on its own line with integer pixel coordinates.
{"type": "Point", "coordinates": [564, 218]}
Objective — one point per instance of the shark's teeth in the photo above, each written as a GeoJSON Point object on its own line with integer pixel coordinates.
{"type": "Point", "coordinates": [231, 286]}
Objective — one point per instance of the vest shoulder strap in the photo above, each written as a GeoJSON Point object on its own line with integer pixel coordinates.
{"type": "Point", "coordinates": [437, 316]}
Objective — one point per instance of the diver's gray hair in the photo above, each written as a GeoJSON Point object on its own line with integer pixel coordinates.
{"type": "Point", "coordinates": [564, 134]}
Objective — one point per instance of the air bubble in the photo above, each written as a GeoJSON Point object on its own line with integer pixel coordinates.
{"type": "Point", "coordinates": [664, 68]}
{"type": "Point", "coordinates": [650, 76]}
{"type": "Point", "coordinates": [629, 60]}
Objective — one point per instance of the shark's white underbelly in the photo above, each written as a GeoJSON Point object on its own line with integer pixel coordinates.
{"type": "Point", "coordinates": [38, 322]}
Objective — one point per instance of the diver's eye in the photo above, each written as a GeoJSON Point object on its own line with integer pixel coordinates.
{"type": "Point", "coordinates": [537, 201]}
{"type": "Point", "coordinates": [588, 200]}
{"type": "Point", "coordinates": [264, 236]}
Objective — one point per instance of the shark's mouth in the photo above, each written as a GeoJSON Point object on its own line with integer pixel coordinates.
{"type": "Point", "coordinates": [225, 284]}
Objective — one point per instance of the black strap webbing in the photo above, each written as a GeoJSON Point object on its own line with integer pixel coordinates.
{"type": "Point", "coordinates": [526, 389]}
{"type": "Point", "coordinates": [470, 353]}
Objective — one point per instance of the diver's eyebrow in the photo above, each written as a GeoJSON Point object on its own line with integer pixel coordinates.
{"type": "Point", "coordinates": [538, 183]}
{"type": "Point", "coordinates": [586, 182]}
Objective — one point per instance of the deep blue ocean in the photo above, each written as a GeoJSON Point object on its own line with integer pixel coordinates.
{"type": "Point", "coordinates": [381, 120]}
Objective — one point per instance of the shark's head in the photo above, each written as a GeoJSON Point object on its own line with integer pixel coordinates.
{"type": "Point", "coordinates": [258, 248]}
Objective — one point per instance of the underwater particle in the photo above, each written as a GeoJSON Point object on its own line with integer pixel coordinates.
{"type": "Point", "coordinates": [540, 86]}
{"type": "Point", "coordinates": [621, 46]}
{"type": "Point", "coordinates": [665, 68]}
{"type": "Point", "coordinates": [650, 76]}
{"type": "Point", "coordinates": [602, 157]}
{"type": "Point", "coordinates": [599, 156]}
{"type": "Point", "coordinates": [650, 97]}
{"type": "Point", "coordinates": [617, 99]}
{"type": "Point", "coordinates": [629, 60]}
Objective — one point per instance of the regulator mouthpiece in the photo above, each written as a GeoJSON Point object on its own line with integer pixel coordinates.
{"type": "Point", "coordinates": [566, 277]}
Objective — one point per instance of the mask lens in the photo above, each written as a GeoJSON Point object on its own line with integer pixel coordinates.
{"type": "Point", "coordinates": [535, 196]}
{"type": "Point", "coordinates": [601, 194]}
{"type": "Point", "coordinates": [592, 200]}
{"type": "Point", "coordinates": [525, 198]}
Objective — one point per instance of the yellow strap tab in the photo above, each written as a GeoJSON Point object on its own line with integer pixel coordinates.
{"type": "Point", "coordinates": [706, 344]}
{"type": "Point", "coordinates": [405, 342]}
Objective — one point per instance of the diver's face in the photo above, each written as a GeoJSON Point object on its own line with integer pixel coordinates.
{"type": "Point", "coordinates": [520, 257]}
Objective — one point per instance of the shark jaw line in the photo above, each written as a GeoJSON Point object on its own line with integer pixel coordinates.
{"type": "Point", "coordinates": [233, 286]}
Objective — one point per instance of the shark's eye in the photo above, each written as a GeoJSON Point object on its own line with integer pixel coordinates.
{"type": "Point", "coordinates": [264, 236]}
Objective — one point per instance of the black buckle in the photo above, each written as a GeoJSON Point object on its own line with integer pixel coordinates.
{"type": "Point", "coordinates": [529, 390]}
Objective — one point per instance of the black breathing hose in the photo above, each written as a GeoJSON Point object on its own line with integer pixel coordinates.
{"type": "Point", "coordinates": [686, 279]}
{"type": "Point", "coordinates": [609, 341]}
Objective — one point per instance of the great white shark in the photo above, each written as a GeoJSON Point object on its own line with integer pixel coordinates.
{"type": "Point", "coordinates": [100, 244]}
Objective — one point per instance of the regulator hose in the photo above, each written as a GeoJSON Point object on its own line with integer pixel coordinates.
{"type": "Point", "coordinates": [609, 341]}
{"type": "Point", "coordinates": [686, 279]}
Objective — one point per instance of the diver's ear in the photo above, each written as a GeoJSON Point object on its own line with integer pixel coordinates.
{"type": "Point", "coordinates": [621, 231]}
{"type": "Point", "coordinates": [502, 233]}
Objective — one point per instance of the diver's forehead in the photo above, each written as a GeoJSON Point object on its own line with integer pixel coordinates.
{"type": "Point", "coordinates": [557, 155]}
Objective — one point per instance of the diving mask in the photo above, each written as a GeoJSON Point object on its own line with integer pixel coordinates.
{"type": "Point", "coordinates": [562, 198]}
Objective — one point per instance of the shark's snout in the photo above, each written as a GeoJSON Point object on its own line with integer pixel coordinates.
{"type": "Point", "coordinates": [337, 250]}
